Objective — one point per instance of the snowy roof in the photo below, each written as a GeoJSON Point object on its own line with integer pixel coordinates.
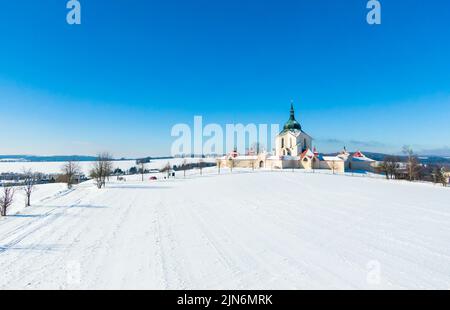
{"type": "Point", "coordinates": [288, 157]}
{"type": "Point", "coordinates": [343, 156]}
{"type": "Point", "coordinates": [331, 158]}
{"type": "Point", "coordinates": [359, 156]}
{"type": "Point", "coordinates": [362, 159]}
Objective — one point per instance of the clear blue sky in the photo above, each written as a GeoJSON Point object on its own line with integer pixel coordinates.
{"type": "Point", "coordinates": [147, 65]}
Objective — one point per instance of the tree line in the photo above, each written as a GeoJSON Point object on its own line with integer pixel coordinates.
{"type": "Point", "coordinates": [411, 169]}
{"type": "Point", "coordinates": [100, 173]}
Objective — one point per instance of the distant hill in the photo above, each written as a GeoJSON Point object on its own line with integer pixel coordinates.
{"type": "Point", "coordinates": [443, 152]}
{"type": "Point", "coordinates": [56, 158]}
{"type": "Point", "coordinates": [423, 158]}
{"type": "Point", "coordinates": [60, 158]}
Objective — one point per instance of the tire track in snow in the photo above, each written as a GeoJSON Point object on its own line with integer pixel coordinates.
{"type": "Point", "coordinates": [167, 247]}
{"type": "Point", "coordinates": [47, 266]}
{"type": "Point", "coordinates": [106, 241]}
{"type": "Point", "coordinates": [66, 226]}
{"type": "Point", "coordinates": [40, 222]}
{"type": "Point", "coordinates": [161, 252]}
{"type": "Point", "coordinates": [71, 230]}
{"type": "Point", "coordinates": [39, 217]}
{"type": "Point", "coordinates": [42, 266]}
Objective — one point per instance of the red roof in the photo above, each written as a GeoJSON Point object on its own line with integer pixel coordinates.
{"type": "Point", "coordinates": [234, 154]}
{"type": "Point", "coordinates": [358, 154]}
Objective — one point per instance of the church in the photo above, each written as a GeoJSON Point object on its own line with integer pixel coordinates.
{"type": "Point", "coordinates": [293, 150]}
{"type": "Point", "coordinates": [292, 141]}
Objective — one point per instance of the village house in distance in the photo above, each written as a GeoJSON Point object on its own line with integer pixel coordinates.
{"type": "Point", "coordinates": [293, 150]}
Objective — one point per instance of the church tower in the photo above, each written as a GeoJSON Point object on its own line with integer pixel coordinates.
{"type": "Point", "coordinates": [292, 141]}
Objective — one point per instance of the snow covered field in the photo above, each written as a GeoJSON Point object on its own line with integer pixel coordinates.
{"type": "Point", "coordinates": [55, 167]}
{"type": "Point", "coordinates": [246, 230]}
{"type": "Point", "coordinates": [86, 166]}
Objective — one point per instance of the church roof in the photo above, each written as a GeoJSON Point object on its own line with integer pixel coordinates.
{"type": "Point", "coordinates": [292, 124]}
{"type": "Point", "coordinates": [359, 156]}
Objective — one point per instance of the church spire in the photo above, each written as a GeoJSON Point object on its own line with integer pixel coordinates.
{"type": "Point", "coordinates": [292, 110]}
{"type": "Point", "coordinates": [292, 124]}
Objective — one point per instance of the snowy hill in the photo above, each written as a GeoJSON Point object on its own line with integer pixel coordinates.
{"type": "Point", "coordinates": [246, 230]}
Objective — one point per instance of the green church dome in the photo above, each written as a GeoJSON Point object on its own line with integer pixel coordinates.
{"type": "Point", "coordinates": [292, 124]}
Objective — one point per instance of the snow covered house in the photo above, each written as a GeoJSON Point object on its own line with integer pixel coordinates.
{"type": "Point", "coordinates": [292, 151]}
{"type": "Point", "coordinates": [358, 161]}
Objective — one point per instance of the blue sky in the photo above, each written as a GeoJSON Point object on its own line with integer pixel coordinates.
{"type": "Point", "coordinates": [133, 69]}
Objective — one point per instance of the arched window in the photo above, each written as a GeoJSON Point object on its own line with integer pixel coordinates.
{"type": "Point", "coordinates": [282, 142]}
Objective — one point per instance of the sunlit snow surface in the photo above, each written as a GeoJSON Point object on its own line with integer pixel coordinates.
{"type": "Point", "coordinates": [246, 230]}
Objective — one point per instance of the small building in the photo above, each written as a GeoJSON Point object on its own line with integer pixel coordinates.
{"type": "Point", "coordinates": [334, 163]}
{"type": "Point", "coordinates": [358, 161]}
{"type": "Point", "coordinates": [308, 159]}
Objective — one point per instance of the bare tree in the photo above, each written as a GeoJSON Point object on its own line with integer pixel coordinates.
{"type": "Point", "coordinates": [444, 177]}
{"type": "Point", "coordinates": [108, 164]}
{"type": "Point", "coordinates": [167, 168]}
{"type": "Point", "coordinates": [439, 176]}
{"type": "Point", "coordinates": [69, 171]}
{"type": "Point", "coordinates": [28, 185]}
{"type": "Point", "coordinates": [389, 166]}
{"type": "Point", "coordinates": [184, 167]}
{"type": "Point", "coordinates": [102, 169]}
{"type": "Point", "coordinates": [413, 165]}
{"type": "Point", "coordinates": [96, 173]}
{"type": "Point", "coordinates": [201, 164]}
{"type": "Point", "coordinates": [142, 170]}
{"type": "Point", "coordinates": [7, 199]}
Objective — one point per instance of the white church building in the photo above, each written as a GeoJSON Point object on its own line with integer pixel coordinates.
{"type": "Point", "coordinates": [293, 150]}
